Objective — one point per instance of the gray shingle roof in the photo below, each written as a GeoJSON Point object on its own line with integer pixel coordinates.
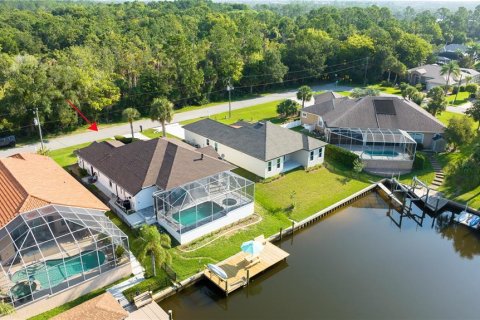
{"type": "Point", "coordinates": [265, 141]}
{"type": "Point", "coordinates": [142, 164]}
{"type": "Point", "coordinates": [432, 73]}
{"type": "Point", "coordinates": [361, 113]}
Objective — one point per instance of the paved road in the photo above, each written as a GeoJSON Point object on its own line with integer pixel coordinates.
{"type": "Point", "coordinates": [460, 109]}
{"type": "Point", "coordinates": [74, 139]}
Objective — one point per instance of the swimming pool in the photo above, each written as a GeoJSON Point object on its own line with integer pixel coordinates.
{"type": "Point", "coordinates": [190, 216]}
{"type": "Point", "coordinates": [55, 271]}
{"type": "Point", "coordinates": [383, 153]}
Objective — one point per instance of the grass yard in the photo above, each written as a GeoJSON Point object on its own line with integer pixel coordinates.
{"type": "Point", "coordinates": [389, 90]}
{"type": "Point", "coordinates": [461, 98]}
{"type": "Point", "coordinates": [471, 196]}
{"type": "Point", "coordinates": [65, 156]}
{"type": "Point", "coordinates": [150, 133]}
{"type": "Point", "coordinates": [264, 111]}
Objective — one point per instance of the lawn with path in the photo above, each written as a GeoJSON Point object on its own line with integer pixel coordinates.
{"type": "Point", "coordinates": [471, 196]}
{"type": "Point", "coordinates": [460, 99]}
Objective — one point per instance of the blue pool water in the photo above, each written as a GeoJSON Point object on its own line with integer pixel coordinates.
{"type": "Point", "coordinates": [55, 271]}
{"type": "Point", "coordinates": [385, 153]}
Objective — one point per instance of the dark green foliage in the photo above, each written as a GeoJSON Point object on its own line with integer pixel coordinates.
{"type": "Point", "coordinates": [125, 140]}
{"type": "Point", "coordinates": [108, 57]}
{"type": "Point", "coordinates": [287, 108]}
{"type": "Point", "coordinates": [340, 155]}
{"type": "Point", "coordinates": [464, 173]}
{"type": "Point", "coordinates": [419, 162]}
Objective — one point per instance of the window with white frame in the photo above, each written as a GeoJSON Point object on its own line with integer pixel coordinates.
{"type": "Point", "coordinates": [278, 163]}
{"type": "Point", "coordinates": [208, 142]}
{"type": "Point", "coordinates": [312, 154]}
{"type": "Point", "coordinates": [269, 165]}
{"type": "Point", "coordinates": [216, 146]}
{"type": "Point", "coordinates": [320, 151]}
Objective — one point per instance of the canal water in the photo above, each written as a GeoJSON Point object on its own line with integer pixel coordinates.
{"type": "Point", "coordinates": [359, 263]}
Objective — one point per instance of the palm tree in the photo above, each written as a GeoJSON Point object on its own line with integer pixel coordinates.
{"type": "Point", "coordinates": [130, 114]}
{"type": "Point", "coordinates": [153, 243]}
{"type": "Point", "coordinates": [450, 69]}
{"type": "Point", "coordinates": [161, 110]}
{"type": "Point", "coordinates": [304, 93]}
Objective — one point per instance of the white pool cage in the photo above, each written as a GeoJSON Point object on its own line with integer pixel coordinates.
{"type": "Point", "coordinates": [195, 204]}
{"type": "Point", "coordinates": [380, 144]}
{"type": "Point", "coordinates": [51, 249]}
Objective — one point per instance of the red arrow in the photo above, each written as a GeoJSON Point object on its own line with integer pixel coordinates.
{"type": "Point", "coordinates": [93, 125]}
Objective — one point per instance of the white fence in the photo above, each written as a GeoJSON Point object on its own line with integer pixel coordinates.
{"type": "Point", "coordinates": [292, 124]}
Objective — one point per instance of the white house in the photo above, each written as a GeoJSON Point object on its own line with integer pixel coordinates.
{"type": "Point", "coordinates": [188, 191]}
{"type": "Point", "coordinates": [264, 149]}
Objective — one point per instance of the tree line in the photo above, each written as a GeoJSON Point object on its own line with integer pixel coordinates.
{"type": "Point", "coordinates": [110, 57]}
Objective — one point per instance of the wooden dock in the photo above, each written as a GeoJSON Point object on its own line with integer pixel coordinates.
{"type": "Point", "coordinates": [150, 311]}
{"type": "Point", "coordinates": [240, 271]}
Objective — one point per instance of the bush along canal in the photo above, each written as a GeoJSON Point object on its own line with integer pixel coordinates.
{"type": "Point", "coordinates": [366, 261]}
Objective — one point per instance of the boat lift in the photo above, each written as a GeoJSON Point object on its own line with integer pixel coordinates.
{"type": "Point", "coordinates": [419, 191]}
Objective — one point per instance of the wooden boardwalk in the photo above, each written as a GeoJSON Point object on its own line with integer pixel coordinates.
{"type": "Point", "coordinates": [240, 271]}
{"type": "Point", "coordinates": [151, 311]}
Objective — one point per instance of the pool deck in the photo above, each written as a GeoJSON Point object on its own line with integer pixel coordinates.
{"type": "Point", "coordinates": [240, 271]}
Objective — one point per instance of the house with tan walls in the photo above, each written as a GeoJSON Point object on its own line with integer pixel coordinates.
{"type": "Point", "coordinates": [384, 131]}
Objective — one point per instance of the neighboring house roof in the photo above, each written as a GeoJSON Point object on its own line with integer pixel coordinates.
{"type": "Point", "coordinates": [264, 141]}
{"type": "Point", "coordinates": [102, 307]}
{"type": "Point", "coordinates": [326, 96]}
{"type": "Point", "coordinates": [455, 47]}
{"type": "Point", "coordinates": [432, 72]}
{"type": "Point", "coordinates": [30, 181]}
{"type": "Point", "coordinates": [142, 164]}
{"type": "Point", "coordinates": [380, 112]}
{"type": "Point", "coordinates": [327, 102]}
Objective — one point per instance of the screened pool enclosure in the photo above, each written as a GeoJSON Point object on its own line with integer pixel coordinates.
{"type": "Point", "coordinates": [195, 204]}
{"type": "Point", "coordinates": [48, 250]}
{"type": "Point", "coordinates": [379, 144]}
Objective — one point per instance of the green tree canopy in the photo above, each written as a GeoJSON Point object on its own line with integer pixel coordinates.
{"type": "Point", "coordinates": [304, 93]}
{"type": "Point", "coordinates": [287, 108]}
{"type": "Point", "coordinates": [161, 110]}
{"type": "Point", "coordinates": [151, 242]}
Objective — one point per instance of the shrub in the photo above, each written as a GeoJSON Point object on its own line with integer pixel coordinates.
{"type": "Point", "coordinates": [472, 88]}
{"type": "Point", "coordinates": [455, 90]}
{"type": "Point", "coordinates": [6, 308]}
{"type": "Point", "coordinates": [358, 165]}
{"type": "Point", "coordinates": [119, 251]}
{"type": "Point", "coordinates": [125, 140]}
{"type": "Point", "coordinates": [385, 83]}
{"type": "Point", "coordinates": [83, 172]}
{"type": "Point", "coordinates": [462, 89]}
{"type": "Point", "coordinates": [340, 155]}
{"type": "Point", "coordinates": [419, 162]}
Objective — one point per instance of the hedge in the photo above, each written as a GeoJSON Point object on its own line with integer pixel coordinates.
{"type": "Point", "coordinates": [419, 162]}
{"type": "Point", "coordinates": [340, 155]}
{"type": "Point", "coordinates": [125, 140]}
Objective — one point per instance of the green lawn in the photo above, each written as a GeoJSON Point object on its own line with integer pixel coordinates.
{"type": "Point", "coordinates": [389, 90]}
{"type": "Point", "coordinates": [65, 157]}
{"type": "Point", "coordinates": [461, 98]}
{"type": "Point", "coordinates": [264, 111]}
{"type": "Point", "coordinates": [150, 133]}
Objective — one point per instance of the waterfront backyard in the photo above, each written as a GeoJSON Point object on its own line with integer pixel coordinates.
{"type": "Point", "coordinates": [356, 263]}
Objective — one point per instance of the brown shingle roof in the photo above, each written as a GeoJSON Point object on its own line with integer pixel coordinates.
{"type": "Point", "coordinates": [103, 307]}
{"type": "Point", "coordinates": [159, 162]}
{"type": "Point", "coordinates": [30, 181]}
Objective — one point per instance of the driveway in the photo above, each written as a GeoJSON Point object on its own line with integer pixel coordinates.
{"type": "Point", "coordinates": [74, 139]}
